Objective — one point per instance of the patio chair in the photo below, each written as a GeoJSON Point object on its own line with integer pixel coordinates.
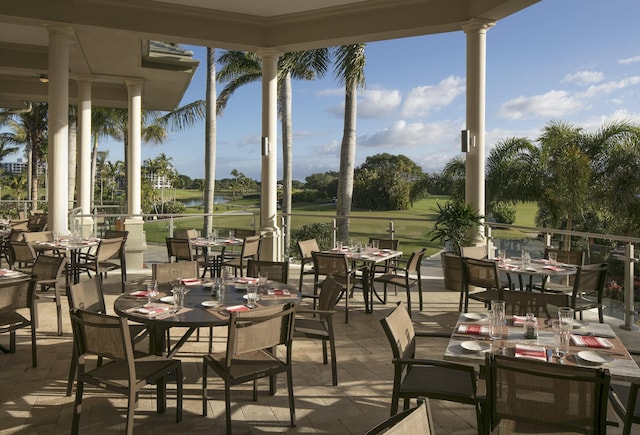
{"type": "Point", "coordinates": [306, 248]}
{"type": "Point", "coordinates": [125, 373]}
{"type": "Point", "coordinates": [48, 271]}
{"type": "Point", "coordinates": [38, 236]}
{"type": "Point", "coordinates": [624, 400]}
{"type": "Point", "coordinates": [406, 276]}
{"type": "Point", "coordinates": [479, 273]}
{"type": "Point", "coordinates": [588, 287]}
{"type": "Point", "coordinates": [336, 265]}
{"type": "Point", "coordinates": [251, 355]}
{"type": "Point", "coordinates": [250, 250]}
{"type": "Point", "coordinates": [412, 421]}
{"type": "Point", "coordinates": [576, 258]}
{"type": "Point", "coordinates": [121, 256]}
{"type": "Point", "coordinates": [540, 304]}
{"type": "Point", "coordinates": [100, 263]}
{"type": "Point", "coordinates": [379, 269]}
{"type": "Point", "coordinates": [417, 378]}
{"type": "Point", "coordinates": [164, 273]}
{"type": "Point", "coordinates": [23, 256]}
{"type": "Point", "coordinates": [534, 396]}
{"type": "Point", "coordinates": [88, 295]}
{"type": "Point", "coordinates": [276, 270]}
{"type": "Point", "coordinates": [17, 295]}
{"type": "Point", "coordinates": [37, 222]}
{"type": "Point", "coordinates": [318, 323]}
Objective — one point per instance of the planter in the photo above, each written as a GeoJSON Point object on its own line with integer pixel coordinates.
{"type": "Point", "coordinates": [451, 271]}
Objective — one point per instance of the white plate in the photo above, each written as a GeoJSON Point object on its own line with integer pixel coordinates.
{"type": "Point", "coordinates": [578, 324]}
{"type": "Point", "coordinates": [257, 298]}
{"type": "Point", "coordinates": [167, 299]}
{"type": "Point", "coordinates": [207, 284]}
{"type": "Point", "coordinates": [475, 346]}
{"type": "Point", "coordinates": [211, 303]}
{"type": "Point", "coordinates": [594, 357]}
{"type": "Point", "coordinates": [476, 316]}
{"type": "Point", "coordinates": [239, 286]}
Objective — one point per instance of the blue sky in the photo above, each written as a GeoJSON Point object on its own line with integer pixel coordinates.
{"type": "Point", "coordinates": [572, 60]}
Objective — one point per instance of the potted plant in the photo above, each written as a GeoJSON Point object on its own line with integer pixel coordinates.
{"type": "Point", "coordinates": [456, 227]}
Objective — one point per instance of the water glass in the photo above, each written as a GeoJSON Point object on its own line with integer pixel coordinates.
{"type": "Point", "coordinates": [497, 311]}
{"type": "Point", "coordinates": [263, 277]}
{"type": "Point", "coordinates": [495, 327]}
{"type": "Point", "coordinates": [178, 296]}
{"type": "Point", "coordinates": [216, 288]}
{"type": "Point", "coordinates": [252, 295]}
{"type": "Point", "coordinates": [500, 256]}
{"type": "Point", "coordinates": [561, 338]}
{"type": "Point", "coordinates": [152, 290]}
{"type": "Point", "coordinates": [225, 273]}
{"type": "Point", "coordinates": [526, 259]}
{"type": "Point", "coordinates": [553, 258]}
{"type": "Point", "coordinates": [565, 316]}
{"type": "Point", "coordinates": [375, 244]}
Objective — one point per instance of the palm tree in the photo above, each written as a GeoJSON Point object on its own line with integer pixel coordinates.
{"type": "Point", "coordinates": [349, 70]}
{"type": "Point", "coordinates": [240, 68]}
{"type": "Point", "coordinates": [512, 171]}
{"type": "Point", "coordinates": [210, 142]}
{"type": "Point", "coordinates": [29, 129]}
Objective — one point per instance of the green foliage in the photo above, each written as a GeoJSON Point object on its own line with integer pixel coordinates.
{"type": "Point", "coordinates": [319, 231]}
{"type": "Point", "coordinates": [326, 184]}
{"type": "Point", "coordinates": [457, 223]}
{"type": "Point", "coordinates": [504, 212]}
{"type": "Point", "coordinates": [307, 195]}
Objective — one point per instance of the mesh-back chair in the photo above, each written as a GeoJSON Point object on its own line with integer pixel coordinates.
{"type": "Point", "coordinates": [535, 396]}
{"type": "Point", "coordinates": [412, 421]}
{"type": "Point", "coordinates": [179, 249]}
{"type": "Point", "coordinates": [378, 269]}
{"type": "Point", "coordinates": [588, 287]}
{"type": "Point", "coordinates": [250, 355]}
{"type": "Point", "coordinates": [276, 270]}
{"type": "Point", "coordinates": [542, 305]}
{"type": "Point", "coordinates": [479, 273]}
{"type": "Point", "coordinates": [563, 284]}
{"type": "Point", "coordinates": [306, 248]}
{"type": "Point", "coordinates": [164, 273]}
{"type": "Point", "coordinates": [88, 295]}
{"type": "Point", "coordinates": [38, 236]}
{"type": "Point", "coordinates": [48, 271]}
{"type": "Point", "coordinates": [37, 222]}
{"type": "Point", "coordinates": [405, 274]}
{"type": "Point", "coordinates": [336, 265]}
{"type": "Point", "coordinates": [250, 250]}
{"type": "Point", "coordinates": [125, 373]}
{"type": "Point", "coordinates": [99, 263]}
{"type": "Point", "coordinates": [416, 378]}
{"type": "Point", "coordinates": [624, 400]}
{"type": "Point", "coordinates": [318, 323]}
{"type": "Point", "coordinates": [17, 296]}
{"type": "Point", "coordinates": [22, 256]}
{"type": "Point", "coordinates": [121, 256]}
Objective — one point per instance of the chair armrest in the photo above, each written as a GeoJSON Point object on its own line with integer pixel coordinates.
{"type": "Point", "coordinates": [433, 334]}
{"type": "Point", "coordinates": [436, 362]}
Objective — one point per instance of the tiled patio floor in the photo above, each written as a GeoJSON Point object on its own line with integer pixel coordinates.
{"type": "Point", "coordinates": [33, 401]}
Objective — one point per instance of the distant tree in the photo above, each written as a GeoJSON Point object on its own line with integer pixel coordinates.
{"type": "Point", "coordinates": [453, 178]}
{"type": "Point", "coordinates": [325, 183]}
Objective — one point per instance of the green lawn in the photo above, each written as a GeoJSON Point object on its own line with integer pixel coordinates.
{"type": "Point", "coordinates": [411, 226]}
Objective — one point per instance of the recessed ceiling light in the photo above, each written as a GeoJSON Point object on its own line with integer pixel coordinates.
{"type": "Point", "coordinates": [44, 78]}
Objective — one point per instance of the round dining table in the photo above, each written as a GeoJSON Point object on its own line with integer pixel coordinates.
{"type": "Point", "coordinates": [538, 268]}
{"type": "Point", "coordinates": [200, 309]}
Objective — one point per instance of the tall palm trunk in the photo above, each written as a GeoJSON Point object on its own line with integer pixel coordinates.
{"type": "Point", "coordinates": [287, 156]}
{"type": "Point", "coordinates": [347, 161]}
{"type": "Point", "coordinates": [73, 137]}
{"type": "Point", "coordinates": [210, 141]}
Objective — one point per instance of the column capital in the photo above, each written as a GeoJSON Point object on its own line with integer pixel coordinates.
{"type": "Point", "coordinates": [269, 52]}
{"type": "Point", "coordinates": [131, 83]}
{"type": "Point", "coordinates": [479, 25]}
{"type": "Point", "coordinates": [59, 29]}
{"type": "Point", "coordinates": [84, 78]}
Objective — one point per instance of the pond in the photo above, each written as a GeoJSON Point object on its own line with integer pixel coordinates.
{"type": "Point", "coordinates": [198, 202]}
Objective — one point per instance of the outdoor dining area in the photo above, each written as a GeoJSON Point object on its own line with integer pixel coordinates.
{"type": "Point", "coordinates": [362, 332]}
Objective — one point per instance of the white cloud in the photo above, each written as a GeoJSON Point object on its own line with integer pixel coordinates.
{"type": "Point", "coordinates": [422, 100]}
{"type": "Point", "coordinates": [607, 88]}
{"type": "Point", "coordinates": [331, 92]}
{"type": "Point", "coordinates": [378, 103]}
{"type": "Point", "coordinates": [584, 77]}
{"type": "Point", "coordinates": [553, 104]}
{"type": "Point", "coordinates": [629, 60]}
{"type": "Point", "coordinates": [405, 135]}
{"type": "Point", "coordinates": [595, 123]}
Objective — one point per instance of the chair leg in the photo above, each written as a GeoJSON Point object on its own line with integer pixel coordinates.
{"type": "Point", "coordinates": [420, 292]}
{"type": "Point", "coordinates": [132, 404]}
{"type": "Point", "coordinates": [204, 387]}
{"type": "Point", "coordinates": [34, 352]}
{"type": "Point", "coordinates": [77, 406]}
{"type": "Point", "coordinates": [409, 300]}
{"type": "Point", "coordinates": [292, 405]}
{"type": "Point", "coordinates": [325, 359]}
{"type": "Point", "coordinates": [56, 290]}
{"type": "Point", "coordinates": [179, 393]}
{"type": "Point", "coordinates": [334, 362]}
{"type": "Point", "coordinates": [227, 407]}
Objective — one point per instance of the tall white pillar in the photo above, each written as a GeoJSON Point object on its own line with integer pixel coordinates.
{"type": "Point", "coordinates": [136, 242]}
{"type": "Point", "coordinates": [58, 170]}
{"type": "Point", "coordinates": [271, 246]}
{"type": "Point", "coordinates": [476, 31]}
{"type": "Point", "coordinates": [84, 152]}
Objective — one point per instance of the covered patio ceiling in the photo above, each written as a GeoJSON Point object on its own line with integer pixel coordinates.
{"type": "Point", "coordinates": [110, 41]}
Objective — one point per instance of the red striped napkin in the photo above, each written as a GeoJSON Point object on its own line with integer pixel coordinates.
{"type": "Point", "coordinates": [191, 281]}
{"type": "Point", "coordinates": [247, 280]}
{"type": "Point", "coordinates": [278, 292]}
{"type": "Point", "coordinates": [140, 294]}
{"type": "Point", "coordinates": [473, 329]}
{"type": "Point", "coordinates": [237, 308]}
{"type": "Point", "coordinates": [531, 352]}
{"type": "Point", "coordinates": [587, 341]}
{"type": "Point", "coordinates": [554, 268]}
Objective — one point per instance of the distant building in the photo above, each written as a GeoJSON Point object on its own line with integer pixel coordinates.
{"type": "Point", "coordinates": [159, 181]}
{"type": "Point", "coordinates": [19, 167]}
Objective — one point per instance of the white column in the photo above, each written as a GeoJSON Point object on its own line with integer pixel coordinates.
{"type": "Point", "coordinates": [476, 31]}
{"type": "Point", "coordinates": [84, 152]}
{"type": "Point", "coordinates": [134, 159]}
{"type": "Point", "coordinates": [136, 242]}
{"type": "Point", "coordinates": [271, 247]}
{"type": "Point", "coordinates": [58, 170]}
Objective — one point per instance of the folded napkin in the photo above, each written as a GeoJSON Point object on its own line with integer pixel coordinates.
{"type": "Point", "coordinates": [7, 272]}
{"type": "Point", "coordinates": [140, 294]}
{"type": "Point", "coordinates": [247, 280]}
{"type": "Point", "coordinates": [596, 330]}
{"type": "Point", "coordinates": [473, 329]}
{"type": "Point", "coordinates": [278, 292]}
{"type": "Point", "coordinates": [153, 310]}
{"type": "Point", "coordinates": [553, 268]}
{"type": "Point", "coordinates": [509, 266]}
{"type": "Point", "coordinates": [191, 281]}
{"type": "Point", "coordinates": [531, 352]}
{"type": "Point", "coordinates": [518, 320]}
{"type": "Point", "coordinates": [588, 341]}
{"type": "Point", "coordinates": [237, 308]}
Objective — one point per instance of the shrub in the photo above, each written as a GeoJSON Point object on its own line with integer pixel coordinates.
{"type": "Point", "coordinates": [320, 231]}
{"type": "Point", "coordinates": [504, 213]}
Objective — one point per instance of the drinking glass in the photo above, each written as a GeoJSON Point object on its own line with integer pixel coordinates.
{"type": "Point", "coordinates": [375, 244]}
{"type": "Point", "coordinates": [565, 316]}
{"type": "Point", "coordinates": [252, 295]}
{"type": "Point", "coordinates": [500, 256]}
{"type": "Point", "coordinates": [495, 327]}
{"type": "Point", "coordinates": [560, 339]}
{"type": "Point", "coordinates": [152, 290]}
{"type": "Point", "coordinates": [263, 277]}
{"type": "Point", "coordinates": [226, 274]}
{"type": "Point", "coordinates": [216, 288]}
{"type": "Point", "coordinates": [526, 259]}
{"type": "Point", "coordinates": [553, 258]}
{"type": "Point", "coordinates": [497, 310]}
{"type": "Point", "coordinates": [178, 296]}
{"type": "Point", "coordinates": [339, 245]}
